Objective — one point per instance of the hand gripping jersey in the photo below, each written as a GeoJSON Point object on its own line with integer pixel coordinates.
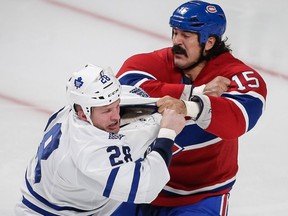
{"type": "Point", "coordinates": [205, 152]}
{"type": "Point", "coordinates": [81, 170]}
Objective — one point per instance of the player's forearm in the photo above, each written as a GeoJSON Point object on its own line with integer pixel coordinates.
{"type": "Point", "coordinates": [156, 88]}
{"type": "Point", "coordinates": [217, 115]}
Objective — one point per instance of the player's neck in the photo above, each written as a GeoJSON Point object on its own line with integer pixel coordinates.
{"type": "Point", "coordinates": [192, 73]}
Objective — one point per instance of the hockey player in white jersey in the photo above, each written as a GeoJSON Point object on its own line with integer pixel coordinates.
{"type": "Point", "coordinates": [84, 165]}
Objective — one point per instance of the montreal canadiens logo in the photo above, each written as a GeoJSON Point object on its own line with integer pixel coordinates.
{"type": "Point", "coordinates": [211, 9]}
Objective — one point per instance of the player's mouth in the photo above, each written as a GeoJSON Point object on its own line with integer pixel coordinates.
{"type": "Point", "coordinates": [114, 126]}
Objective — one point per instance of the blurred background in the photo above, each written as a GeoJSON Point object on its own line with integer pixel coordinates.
{"type": "Point", "coordinates": [43, 41]}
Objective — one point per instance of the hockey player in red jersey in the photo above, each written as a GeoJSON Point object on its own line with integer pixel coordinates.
{"type": "Point", "coordinates": [204, 165]}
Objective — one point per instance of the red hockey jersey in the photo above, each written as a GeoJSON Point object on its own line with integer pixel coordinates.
{"type": "Point", "coordinates": [205, 160]}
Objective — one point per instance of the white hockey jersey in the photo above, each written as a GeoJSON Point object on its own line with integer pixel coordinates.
{"type": "Point", "coordinates": [81, 170]}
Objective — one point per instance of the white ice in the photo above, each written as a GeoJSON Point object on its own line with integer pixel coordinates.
{"type": "Point", "coordinates": [43, 41]}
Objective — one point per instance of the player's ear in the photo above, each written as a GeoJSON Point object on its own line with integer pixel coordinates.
{"type": "Point", "coordinates": [81, 115]}
{"type": "Point", "coordinates": [210, 43]}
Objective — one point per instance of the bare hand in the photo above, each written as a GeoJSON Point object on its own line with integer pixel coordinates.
{"type": "Point", "coordinates": [217, 86]}
{"type": "Point", "coordinates": [168, 102]}
{"type": "Point", "coordinates": [172, 120]}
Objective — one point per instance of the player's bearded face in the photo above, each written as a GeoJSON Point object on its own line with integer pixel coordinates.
{"type": "Point", "coordinates": [107, 118]}
{"type": "Point", "coordinates": [186, 48]}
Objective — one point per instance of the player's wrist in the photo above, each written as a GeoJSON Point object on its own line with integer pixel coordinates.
{"type": "Point", "coordinates": [187, 91]}
{"type": "Point", "coordinates": [192, 109]}
{"type": "Point", "coordinates": [167, 133]}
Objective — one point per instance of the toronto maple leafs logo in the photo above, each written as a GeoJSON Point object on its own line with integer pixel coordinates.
{"type": "Point", "coordinates": [78, 82]}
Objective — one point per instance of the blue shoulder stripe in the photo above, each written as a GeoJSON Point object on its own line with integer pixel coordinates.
{"type": "Point", "coordinates": [133, 78]}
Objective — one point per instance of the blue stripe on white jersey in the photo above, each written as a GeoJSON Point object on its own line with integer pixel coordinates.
{"type": "Point", "coordinates": [135, 181]}
{"type": "Point", "coordinates": [52, 118]}
{"type": "Point", "coordinates": [134, 184]}
{"type": "Point", "coordinates": [46, 202]}
{"type": "Point", "coordinates": [36, 208]}
{"type": "Point", "coordinates": [110, 182]}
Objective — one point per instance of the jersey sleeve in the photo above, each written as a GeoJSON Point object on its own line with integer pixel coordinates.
{"type": "Point", "coordinates": [237, 110]}
{"type": "Point", "coordinates": [154, 76]}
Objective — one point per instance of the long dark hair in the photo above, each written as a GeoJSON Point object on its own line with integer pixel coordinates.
{"type": "Point", "coordinates": [219, 47]}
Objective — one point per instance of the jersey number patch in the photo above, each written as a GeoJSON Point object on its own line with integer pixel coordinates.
{"type": "Point", "coordinates": [247, 77]}
{"type": "Point", "coordinates": [49, 143]}
{"type": "Point", "coordinates": [116, 153]}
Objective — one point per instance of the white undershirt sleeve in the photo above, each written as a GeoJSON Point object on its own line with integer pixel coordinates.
{"type": "Point", "coordinates": [193, 108]}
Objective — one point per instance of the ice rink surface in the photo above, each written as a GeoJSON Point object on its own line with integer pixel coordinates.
{"type": "Point", "coordinates": [43, 41]}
